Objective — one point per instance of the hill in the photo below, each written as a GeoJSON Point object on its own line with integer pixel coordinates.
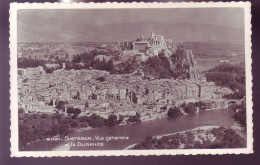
{"type": "Point", "coordinates": [213, 48]}
{"type": "Point", "coordinates": [232, 76]}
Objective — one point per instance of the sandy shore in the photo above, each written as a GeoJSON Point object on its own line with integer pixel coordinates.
{"type": "Point", "coordinates": [160, 136]}
{"type": "Point", "coordinates": [195, 129]}
{"type": "Point", "coordinates": [61, 147]}
{"type": "Point", "coordinates": [77, 130]}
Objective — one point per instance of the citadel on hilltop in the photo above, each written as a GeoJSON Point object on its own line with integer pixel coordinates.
{"type": "Point", "coordinates": [143, 48]}
{"type": "Point", "coordinates": [154, 45]}
{"type": "Point", "coordinates": [178, 61]}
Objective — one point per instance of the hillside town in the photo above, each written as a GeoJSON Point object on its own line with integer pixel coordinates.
{"type": "Point", "coordinates": [102, 93]}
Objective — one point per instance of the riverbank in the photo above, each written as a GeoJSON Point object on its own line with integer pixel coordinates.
{"type": "Point", "coordinates": [170, 134]}
{"type": "Point", "coordinates": [80, 130]}
{"type": "Point", "coordinates": [162, 116]}
{"type": "Point", "coordinates": [195, 129]}
{"type": "Point", "coordinates": [137, 132]}
{"type": "Point", "coordinates": [204, 137]}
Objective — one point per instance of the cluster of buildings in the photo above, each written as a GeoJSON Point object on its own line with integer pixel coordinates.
{"type": "Point", "coordinates": [121, 94]}
{"type": "Point", "coordinates": [49, 51]}
{"type": "Point", "coordinates": [31, 71]}
{"type": "Point", "coordinates": [143, 48]}
{"type": "Point", "coordinates": [153, 45]}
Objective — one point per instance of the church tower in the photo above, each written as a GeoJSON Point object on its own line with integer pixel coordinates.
{"type": "Point", "coordinates": [152, 35]}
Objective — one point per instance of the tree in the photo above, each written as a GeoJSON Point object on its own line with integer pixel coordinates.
{"type": "Point", "coordinates": [76, 112]}
{"type": "Point", "coordinates": [70, 110]}
{"type": "Point", "coordinates": [190, 108]}
{"type": "Point", "coordinates": [120, 119]}
{"type": "Point", "coordinates": [74, 124]}
{"type": "Point", "coordinates": [64, 129]}
{"type": "Point", "coordinates": [96, 121]}
{"type": "Point", "coordinates": [134, 119]}
{"type": "Point", "coordinates": [26, 135]}
{"type": "Point", "coordinates": [200, 104]}
{"type": "Point", "coordinates": [54, 129]}
{"type": "Point", "coordinates": [174, 112]}
{"type": "Point", "coordinates": [112, 120]}
{"type": "Point", "coordinates": [109, 66]}
{"type": "Point", "coordinates": [30, 63]}
{"type": "Point", "coordinates": [44, 115]}
{"type": "Point", "coordinates": [83, 119]}
{"type": "Point", "coordinates": [61, 105]}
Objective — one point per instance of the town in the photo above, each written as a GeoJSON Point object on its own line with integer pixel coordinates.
{"type": "Point", "coordinates": [100, 92]}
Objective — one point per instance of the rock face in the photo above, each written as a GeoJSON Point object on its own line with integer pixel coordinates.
{"type": "Point", "coordinates": [177, 63]}
{"type": "Point", "coordinates": [182, 61]}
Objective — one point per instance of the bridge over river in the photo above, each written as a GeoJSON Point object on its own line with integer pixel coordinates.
{"type": "Point", "coordinates": [225, 103]}
{"type": "Point", "coordinates": [216, 103]}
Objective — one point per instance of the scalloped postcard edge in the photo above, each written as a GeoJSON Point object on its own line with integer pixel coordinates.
{"type": "Point", "coordinates": [14, 7]}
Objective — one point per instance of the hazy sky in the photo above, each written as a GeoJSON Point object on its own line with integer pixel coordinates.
{"type": "Point", "coordinates": [229, 17]}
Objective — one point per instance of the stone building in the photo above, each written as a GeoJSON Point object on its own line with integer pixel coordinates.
{"type": "Point", "coordinates": [39, 71]}
{"type": "Point", "coordinates": [153, 45]}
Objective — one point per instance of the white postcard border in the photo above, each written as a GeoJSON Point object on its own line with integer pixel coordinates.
{"type": "Point", "coordinates": [14, 7]}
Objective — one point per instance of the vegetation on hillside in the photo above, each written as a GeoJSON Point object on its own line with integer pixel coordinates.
{"type": "Point", "coordinates": [81, 61]}
{"type": "Point", "coordinates": [88, 61]}
{"type": "Point", "coordinates": [127, 67]}
{"type": "Point", "coordinates": [33, 63]}
{"type": "Point", "coordinates": [155, 66]}
{"type": "Point", "coordinates": [158, 67]}
{"type": "Point", "coordinates": [231, 76]}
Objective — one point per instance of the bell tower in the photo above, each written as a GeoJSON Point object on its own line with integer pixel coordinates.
{"type": "Point", "coordinates": [152, 35]}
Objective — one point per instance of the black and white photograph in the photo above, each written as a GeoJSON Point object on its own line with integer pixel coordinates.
{"type": "Point", "coordinates": [130, 79]}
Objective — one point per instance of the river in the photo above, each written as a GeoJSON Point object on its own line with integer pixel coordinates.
{"type": "Point", "coordinates": [138, 132]}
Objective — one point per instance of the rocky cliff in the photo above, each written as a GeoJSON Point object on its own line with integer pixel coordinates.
{"type": "Point", "coordinates": [182, 61]}
{"type": "Point", "coordinates": [177, 64]}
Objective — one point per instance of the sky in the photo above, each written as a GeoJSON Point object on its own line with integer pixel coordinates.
{"type": "Point", "coordinates": [227, 17]}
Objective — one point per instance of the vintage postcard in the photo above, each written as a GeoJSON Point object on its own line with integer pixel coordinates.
{"type": "Point", "coordinates": [112, 79]}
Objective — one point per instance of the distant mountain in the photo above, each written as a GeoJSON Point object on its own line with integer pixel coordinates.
{"type": "Point", "coordinates": [55, 30]}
